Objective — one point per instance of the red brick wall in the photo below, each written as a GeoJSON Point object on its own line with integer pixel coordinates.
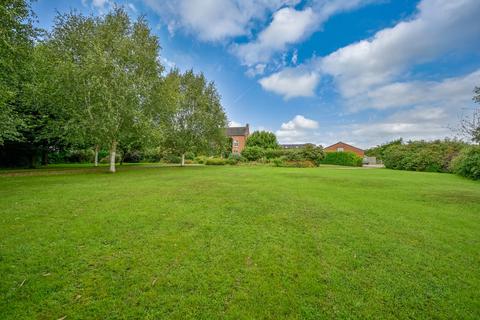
{"type": "Point", "coordinates": [346, 148]}
{"type": "Point", "coordinates": [241, 143]}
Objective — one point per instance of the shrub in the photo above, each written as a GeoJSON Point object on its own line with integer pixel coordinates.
{"type": "Point", "coordinates": [215, 162]}
{"type": "Point", "coordinates": [79, 156]}
{"type": "Point", "coordinates": [275, 153]}
{"type": "Point", "coordinates": [253, 153]}
{"type": "Point", "coordinates": [235, 158]}
{"type": "Point", "coordinates": [467, 163]}
{"type": "Point", "coordinates": [343, 159]}
{"type": "Point", "coordinates": [201, 159]}
{"type": "Point", "coordinates": [434, 156]}
{"type": "Point", "coordinates": [170, 158]}
{"type": "Point", "coordinates": [152, 155]}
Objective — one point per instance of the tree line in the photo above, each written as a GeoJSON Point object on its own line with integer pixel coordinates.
{"type": "Point", "coordinates": [97, 82]}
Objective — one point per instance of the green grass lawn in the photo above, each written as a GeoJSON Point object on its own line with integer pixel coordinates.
{"type": "Point", "coordinates": [239, 243]}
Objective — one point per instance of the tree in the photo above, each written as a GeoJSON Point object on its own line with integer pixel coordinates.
{"type": "Point", "coordinates": [16, 44]}
{"type": "Point", "coordinates": [470, 125]}
{"type": "Point", "coordinates": [263, 139]}
{"type": "Point", "coordinates": [114, 66]}
{"type": "Point", "coordinates": [196, 120]}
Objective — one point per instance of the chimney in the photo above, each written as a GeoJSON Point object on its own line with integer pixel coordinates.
{"type": "Point", "coordinates": [247, 129]}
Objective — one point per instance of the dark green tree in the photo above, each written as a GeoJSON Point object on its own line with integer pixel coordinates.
{"type": "Point", "coordinates": [263, 139]}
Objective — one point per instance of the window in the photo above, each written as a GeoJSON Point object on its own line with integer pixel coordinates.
{"type": "Point", "coordinates": [339, 149]}
{"type": "Point", "coordinates": [235, 143]}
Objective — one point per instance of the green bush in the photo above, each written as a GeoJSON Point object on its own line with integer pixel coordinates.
{"type": "Point", "coordinates": [343, 159]}
{"type": "Point", "coordinates": [434, 156]}
{"type": "Point", "coordinates": [235, 158]}
{"type": "Point", "coordinates": [275, 153]}
{"type": "Point", "coordinates": [253, 153]}
{"type": "Point", "coordinates": [201, 159]}
{"type": "Point", "coordinates": [216, 162]}
{"type": "Point", "coordinates": [467, 163]}
{"type": "Point", "coordinates": [170, 158]}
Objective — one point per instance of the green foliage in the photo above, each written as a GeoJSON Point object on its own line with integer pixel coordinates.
{"type": "Point", "coordinates": [434, 156]}
{"type": "Point", "coordinates": [379, 150]}
{"type": "Point", "coordinates": [276, 153]}
{"type": "Point", "coordinates": [197, 121]}
{"type": "Point", "coordinates": [309, 153]}
{"type": "Point", "coordinates": [235, 158]}
{"type": "Point", "coordinates": [171, 158]}
{"type": "Point", "coordinates": [16, 45]}
{"type": "Point", "coordinates": [343, 159]}
{"type": "Point", "coordinates": [216, 162]}
{"type": "Point", "coordinates": [253, 153]}
{"type": "Point", "coordinates": [262, 139]}
{"type": "Point", "coordinates": [467, 163]}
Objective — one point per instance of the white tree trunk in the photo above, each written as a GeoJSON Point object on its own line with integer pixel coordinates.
{"type": "Point", "coordinates": [96, 156]}
{"type": "Point", "coordinates": [113, 152]}
{"type": "Point", "coordinates": [183, 159]}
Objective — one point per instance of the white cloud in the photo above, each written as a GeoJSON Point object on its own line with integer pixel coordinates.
{"type": "Point", "coordinates": [299, 122]}
{"type": "Point", "coordinates": [441, 26]}
{"type": "Point", "coordinates": [289, 26]}
{"type": "Point", "coordinates": [234, 124]}
{"type": "Point", "coordinates": [291, 83]}
{"type": "Point", "coordinates": [298, 130]}
{"type": "Point", "coordinates": [294, 57]}
{"type": "Point", "coordinates": [256, 70]}
{"type": "Point", "coordinates": [215, 20]}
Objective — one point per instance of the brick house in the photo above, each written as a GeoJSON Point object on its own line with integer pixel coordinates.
{"type": "Point", "coordinates": [239, 137]}
{"type": "Point", "coordinates": [342, 146]}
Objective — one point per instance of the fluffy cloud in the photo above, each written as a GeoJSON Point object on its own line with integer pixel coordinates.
{"type": "Point", "coordinates": [289, 26]}
{"type": "Point", "coordinates": [299, 122]}
{"type": "Point", "coordinates": [214, 20]}
{"type": "Point", "coordinates": [291, 82]}
{"type": "Point", "coordinates": [440, 27]}
{"type": "Point", "coordinates": [297, 130]}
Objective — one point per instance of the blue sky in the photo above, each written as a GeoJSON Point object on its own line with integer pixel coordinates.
{"type": "Point", "coordinates": [359, 71]}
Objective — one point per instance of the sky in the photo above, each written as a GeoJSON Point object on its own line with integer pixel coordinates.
{"type": "Point", "coordinates": [359, 71]}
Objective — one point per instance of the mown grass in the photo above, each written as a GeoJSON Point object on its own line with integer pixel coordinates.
{"type": "Point", "coordinates": [239, 243]}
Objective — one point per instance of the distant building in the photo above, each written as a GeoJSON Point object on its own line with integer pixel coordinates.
{"type": "Point", "coordinates": [343, 147]}
{"type": "Point", "coordinates": [239, 137]}
{"type": "Point", "coordinates": [295, 145]}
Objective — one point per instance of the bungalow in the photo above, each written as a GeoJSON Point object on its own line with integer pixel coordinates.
{"type": "Point", "coordinates": [342, 146]}
{"type": "Point", "coordinates": [239, 137]}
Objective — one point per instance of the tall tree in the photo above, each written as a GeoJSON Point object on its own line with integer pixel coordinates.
{"type": "Point", "coordinates": [263, 139]}
{"type": "Point", "coordinates": [196, 120]}
{"type": "Point", "coordinates": [16, 43]}
{"type": "Point", "coordinates": [114, 64]}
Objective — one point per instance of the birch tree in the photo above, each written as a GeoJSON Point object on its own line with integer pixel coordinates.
{"type": "Point", "coordinates": [196, 119]}
{"type": "Point", "coordinates": [115, 68]}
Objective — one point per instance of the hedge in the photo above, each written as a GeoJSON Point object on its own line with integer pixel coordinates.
{"type": "Point", "coordinates": [343, 159]}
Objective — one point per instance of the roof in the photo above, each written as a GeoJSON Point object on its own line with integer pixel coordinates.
{"type": "Point", "coordinates": [237, 131]}
{"type": "Point", "coordinates": [340, 142]}
{"type": "Point", "coordinates": [295, 145]}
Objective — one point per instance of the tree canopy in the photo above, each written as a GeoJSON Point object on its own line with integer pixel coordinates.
{"type": "Point", "coordinates": [263, 139]}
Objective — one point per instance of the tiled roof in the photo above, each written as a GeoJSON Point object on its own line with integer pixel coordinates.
{"type": "Point", "coordinates": [236, 131]}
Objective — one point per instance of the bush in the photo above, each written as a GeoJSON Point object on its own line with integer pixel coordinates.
{"type": "Point", "coordinates": [170, 158]}
{"type": "Point", "coordinates": [235, 158]}
{"type": "Point", "coordinates": [253, 153]}
{"type": "Point", "coordinates": [216, 162]}
{"type": "Point", "coordinates": [275, 153]}
{"type": "Point", "coordinates": [343, 159]}
{"type": "Point", "coordinates": [434, 156]}
{"type": "Point", "coordinates": [467, 163]}
{"type": "Point", "coordinates": [79, 156]}
{"type": "Point", "coordinates": [282, 162]}
{"type": "Point", "coordinates": [201, 159]}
